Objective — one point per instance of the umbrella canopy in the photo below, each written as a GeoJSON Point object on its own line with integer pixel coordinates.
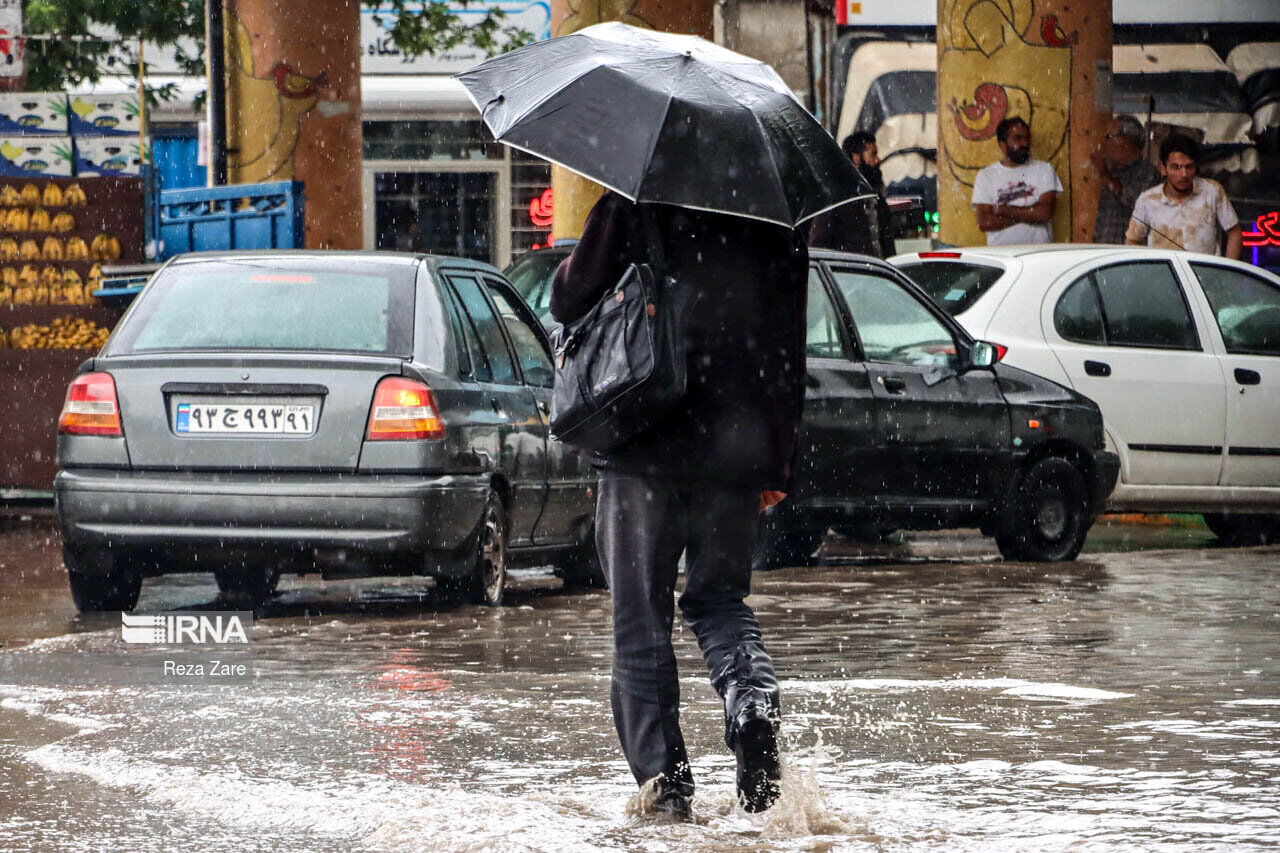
{"type": "Point", "coordinates": [666, 118]}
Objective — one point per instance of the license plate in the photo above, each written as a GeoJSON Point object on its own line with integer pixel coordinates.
{"type": "Point", "coordinates": [243, 418]}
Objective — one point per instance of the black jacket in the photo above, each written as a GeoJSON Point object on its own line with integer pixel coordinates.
{"type": "Point", "coordinates": [737, 424]}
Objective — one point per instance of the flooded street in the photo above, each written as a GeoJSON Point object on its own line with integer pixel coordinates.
{"type": "Point", "coordinates": [934, 696]}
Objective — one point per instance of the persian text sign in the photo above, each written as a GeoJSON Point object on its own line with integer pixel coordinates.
{"type": "Point", "coordinates": [380, 56]}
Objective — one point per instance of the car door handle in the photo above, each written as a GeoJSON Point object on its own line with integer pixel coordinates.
{"type": "Point", "coordinates": [1097, 368]}
{"type": "Point", "coordinates": [1248, 377]}
{"type": "Point", "coordinates": [893, 384]}
{"type": "Point", "coordinates": [544, 407]}
{"type": "Point", "coordinates": [497, 406]}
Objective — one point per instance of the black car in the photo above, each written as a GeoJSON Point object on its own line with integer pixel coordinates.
{"type": "Point", "coordinates": [910, 423]}
{"type": "Point", "coordinates": [531, 275]}
{"type": "Point", "coordinates": [352, 413]}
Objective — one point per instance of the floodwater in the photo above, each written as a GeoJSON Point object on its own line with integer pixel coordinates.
{"type": "Point", "coordinates": [934, 699]}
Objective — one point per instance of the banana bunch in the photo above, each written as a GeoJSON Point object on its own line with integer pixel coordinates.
{"type": "Point", "coordinates": [104, 247]}
{"type": "Point", "coordinates": [52, 195]}
{"type": "Point", "coordinates": [9, 277]}
{"type": "Point", "coordinates": [9, 249]}
{"type": "Point", "coordinates": [24, 295]}
{"type": "Point", "coordinates": [77, 249]}
{"type": "Point", "coordinates": [52, 250]}
{"type": "Point", "coordinates": [60, 333]}
{"type": "Point", "coordinates": [28, 277]}
{"type": "Point", "coordinates": [9, 196]}
{"type": "Point", "coordinates": [29, 251]}
{"type": "Point", "coordinates": [39, 220]}
{"type": "Point", "coordinates": [17, 219]}
{"type": "Point", "coordinates": [95, 277]}
{"type": "Point", "coordinates": [50, 275]}
{"type": "Point", "coordinates": [73, 196]}
{"type": "Point", "coordinates": [6, 294]}
{"type": "Point", "coordinates": [63, 222]}
{"type": "Point", "coordinates": [30, 195]}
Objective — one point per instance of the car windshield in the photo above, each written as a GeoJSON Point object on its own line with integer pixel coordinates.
{"type": "Point", "coordinates": [531, 275]}
{"type": "Point", "coordinates": [302, 304]}
{"type": "Point", "coordinates": [954, 285]}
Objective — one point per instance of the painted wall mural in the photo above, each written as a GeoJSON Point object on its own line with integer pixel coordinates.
{"type": "Point", "coordinates": [998, 59]}
{"type": "Point", "coordinates": [264, 111]}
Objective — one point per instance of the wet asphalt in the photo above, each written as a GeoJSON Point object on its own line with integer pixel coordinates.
{"type": "Point", "coordinates": [935, 698]}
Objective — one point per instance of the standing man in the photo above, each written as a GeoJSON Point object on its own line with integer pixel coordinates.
{"type": "Point", "coordinates": [1014, 196]}
{"type": "Point", "coordinates": [697, 482]}
{"type": "Point", "coordinates": [1185, 212]}
{"type": "Point", "coordinates": [849, 227]}
{"type": "Point", "coordinates": [1125, 174]}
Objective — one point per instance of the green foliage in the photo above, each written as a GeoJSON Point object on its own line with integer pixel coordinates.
{"type": "Point", "coordinates": [416, 28]}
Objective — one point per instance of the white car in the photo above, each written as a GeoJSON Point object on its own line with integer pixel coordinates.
{"type": "Point", "coordinates": [1180, 351]}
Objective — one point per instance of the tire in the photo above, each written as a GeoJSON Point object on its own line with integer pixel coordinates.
{"type": "Point", "coordinates": [116, 588]}
{"type": "Point", "coordinates": [486, 581]}
{"type": "Point", "coordinates": [581, 568]}
{"type": "Point", "coordinates": [247, 586]}
{"type": "Point", "coordinates": [1243, 529]}
{"type": "Point", "coordinates": [778, 547]}
{"type": "Point", "coordinates": [1049, 517]}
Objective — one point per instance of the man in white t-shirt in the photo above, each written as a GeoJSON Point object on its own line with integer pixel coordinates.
{"type": "Point", "coordinates": [1014, 197]}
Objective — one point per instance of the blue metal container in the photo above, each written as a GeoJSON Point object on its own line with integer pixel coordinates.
{"type": "Point", "coordinates": [236, 216]}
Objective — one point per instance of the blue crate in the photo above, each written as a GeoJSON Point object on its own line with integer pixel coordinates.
{"type": "Point", "coordinates": [236, 216]}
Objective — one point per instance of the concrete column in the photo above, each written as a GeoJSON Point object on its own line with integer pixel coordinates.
{"type": "Point", "coordinates": [1047, 61]}
{"type": "Point", "coordinates": [574, 195]}
{"type": "Point", "coordinates": [293, 107]}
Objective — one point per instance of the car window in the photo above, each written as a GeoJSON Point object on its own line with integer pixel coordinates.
{"type": "Point", "coordinates": [1246, 307]}
{"type": "Point", "coordinates": [488, 332]}
{"type": "Point", "coordinates": [954, 285]}
{"type": "Point", "coordinates": [893, 325]}
{"type": "Point", "coordinates": [293, 304]}
{"type": "Point", "coordinates": [1143, 306]}
{"type": "Point", "coordinates": [535, 361]}
{"type": "Point", "coordinates": [531, 275]}
{"type": "Point", "coordinates": [1077, 316]}
{"type": "Point", "coordinates": [822, 338]}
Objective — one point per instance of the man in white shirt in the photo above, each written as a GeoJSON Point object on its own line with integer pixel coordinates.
{"type": "Point", "coordinates": [1014, 197]}
{"type": "Point", "coordinates": [1186, 211]}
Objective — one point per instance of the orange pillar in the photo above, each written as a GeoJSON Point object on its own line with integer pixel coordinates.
{"type": "Point", "coordinates": [1038, 59]}
{"type": "Point", "coordinates": [573, 194]}
{"type": "Point", "coordinates": [293, 107]}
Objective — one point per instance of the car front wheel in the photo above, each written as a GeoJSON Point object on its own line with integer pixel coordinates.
{"type": "Point", "coordinates": [1244, 528]}
{"type": "Point", "coordinates": [113, 588]}
{"type": "Point", "coordinates": [1049, 517]}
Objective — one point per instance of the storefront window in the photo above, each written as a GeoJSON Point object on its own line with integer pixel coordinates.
{"type": "Point", "coordinates": [447, 213]}
{"type": "Point", "coordinates": [429, 140]}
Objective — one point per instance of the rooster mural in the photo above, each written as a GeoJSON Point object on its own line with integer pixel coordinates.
{"type": "Point", "coordinates": [264, 112]}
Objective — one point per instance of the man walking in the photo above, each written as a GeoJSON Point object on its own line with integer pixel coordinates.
{"type": "Point", "coordinates": [696, 483]}
{"type": "Point", "coordinates": [1014, 197]}
{"type": "Point", "coordinates": [1185, 211]}
{"type": "Point", "coordinates": [1125, 174]}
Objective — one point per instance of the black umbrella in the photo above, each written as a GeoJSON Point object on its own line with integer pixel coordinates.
{"type": "Point", "coordinates": [666, 118]}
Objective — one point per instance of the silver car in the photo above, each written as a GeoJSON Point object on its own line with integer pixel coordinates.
{"type": "Point", "coordinates": [354, 414]}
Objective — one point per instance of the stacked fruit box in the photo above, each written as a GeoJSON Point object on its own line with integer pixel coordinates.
{"type": "Point", "coordinates": [55, 235]}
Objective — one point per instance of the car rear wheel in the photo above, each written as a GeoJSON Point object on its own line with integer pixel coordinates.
{"type": "Point", "coordinates": [1244, 528]}
{"type": "Point", "coordinates": [1049, 517]}
{"type": "Point", "coordinates": [486, 581]}
{"type": "Point", "coordinates": [778, 546]}
{"type": "Point", "coordinates": [246, 586]}
{"type": "Point", "coordinates": [581, 568]}
{"type": "Point", "coordinates": [109, 587]}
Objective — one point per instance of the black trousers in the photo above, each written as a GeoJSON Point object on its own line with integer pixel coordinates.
{"type": "Point", "coordinates": [642, 525]}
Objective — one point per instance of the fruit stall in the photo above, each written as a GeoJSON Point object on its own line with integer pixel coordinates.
{"type": "Point", "coordinates": [56, 234]}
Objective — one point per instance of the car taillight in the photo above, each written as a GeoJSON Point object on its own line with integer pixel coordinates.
{"type": "Point", "coordinates": [403, 409]}
{"type": "Point", "coordinates": [937, 254]}
{"type": "Point", "coordinates": [1001, 349]}
{"type": "Point", "coordinates": [91, 407]}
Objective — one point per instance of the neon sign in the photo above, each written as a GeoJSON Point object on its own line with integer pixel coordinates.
{"type": "Point", "coordinates": [1267, 233]}
{"type": "Point", "coordinates": [541, 209]}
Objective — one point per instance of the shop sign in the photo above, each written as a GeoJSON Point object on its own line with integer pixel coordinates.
{"type": "Point", "coordinates": [1266, 231]}
{"type": "Point", "coordinates": [11, 38]}
{"type": "Point", "coordinates": [380, 56]}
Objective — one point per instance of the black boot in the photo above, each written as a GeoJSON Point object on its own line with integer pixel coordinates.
{"type": "Point", "coordinates": [755, 744]}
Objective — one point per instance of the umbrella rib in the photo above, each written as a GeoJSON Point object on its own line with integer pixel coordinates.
{"type": "Point", "coordinates": [657, 132]}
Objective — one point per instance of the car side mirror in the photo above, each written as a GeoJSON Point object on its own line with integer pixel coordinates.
{"type": "Point", "coordinates": [982, 354]}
